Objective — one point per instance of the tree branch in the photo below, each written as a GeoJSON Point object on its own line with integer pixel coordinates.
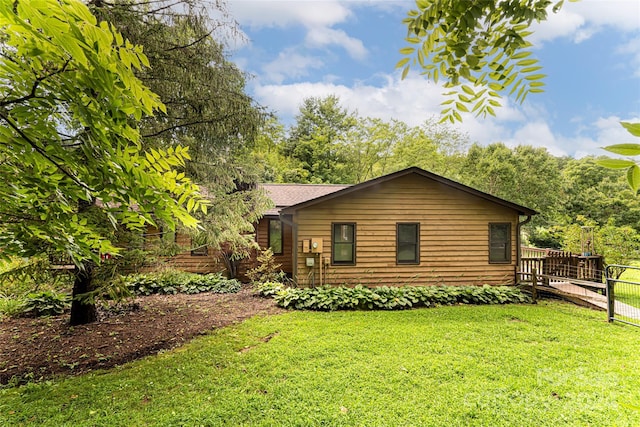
{"type": "Point", "coordinates": [35, 86]}
{"type": "Point", "coordinates": [204, 36]}
{"type": "Point", "coordinates": [42, 152]}
{"type": "Point", "coordinates": [179, 125]}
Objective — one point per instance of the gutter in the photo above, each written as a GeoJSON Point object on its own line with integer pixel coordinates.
{"type": "Point", "coordinates": [519, 242]}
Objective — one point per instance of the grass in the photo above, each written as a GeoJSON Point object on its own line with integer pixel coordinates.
{"type": "Point", "coordinates": [546, 365]}
{"type": "Point", "coordinates": [627, 292]}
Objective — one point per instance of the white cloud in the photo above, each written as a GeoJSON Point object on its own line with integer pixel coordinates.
{"type": "Point", "coordinates": [581, 20]}
{"type": "Point", "coordinates": [289, 64]}
{"type": "Point", "coordinates": [283, 13]}
{"type": "Point", "coordinates": [323, 36]}
{"type": "Point", "coordinates": [412, 100]}
{"type": "Point", "coordinates": [632, 49]}
{"type": "Point", "coordinates": [317, 18]}
{"type": "Point", "coordinates": [588, 141]}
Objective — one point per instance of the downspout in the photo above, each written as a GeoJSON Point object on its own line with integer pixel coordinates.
{"type": "Point", "coordinates": [519, 242]}
{"type": "Point", "coordinates": [294, 244]}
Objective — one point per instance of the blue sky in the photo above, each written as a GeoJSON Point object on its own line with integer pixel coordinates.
{"type": "Point", "coordinates": [590, 52]}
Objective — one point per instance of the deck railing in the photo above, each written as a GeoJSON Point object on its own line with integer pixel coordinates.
{"type": "Point", "coordinates": [556, 265]}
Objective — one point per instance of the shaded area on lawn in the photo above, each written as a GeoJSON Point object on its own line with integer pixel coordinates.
{"type": "Point", "coordinates": [33, 349]}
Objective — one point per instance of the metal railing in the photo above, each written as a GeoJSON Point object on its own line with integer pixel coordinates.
{"type": "Point", "coordinates": [623, 297]}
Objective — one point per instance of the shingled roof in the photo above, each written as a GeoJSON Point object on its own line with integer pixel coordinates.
{"type": "Point", "coordinates": [285, 195]}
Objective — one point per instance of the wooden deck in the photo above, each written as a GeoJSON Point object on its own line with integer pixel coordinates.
{"type": "Point", "coordinates": [580, 295]}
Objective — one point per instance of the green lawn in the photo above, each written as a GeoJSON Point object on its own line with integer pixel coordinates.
{"type": "Point", "coordinates": [627, 292]}
{"type": "Point", "coordinates": [551, 364]}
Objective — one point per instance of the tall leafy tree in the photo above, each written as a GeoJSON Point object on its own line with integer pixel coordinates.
{"type": "Point", "coordinates": [207, 108]}
{"type": "Point", "coordinates": [598, 194]}
{"type": "Point", "coordinates": [433, 146]}
{"type": "Point", "coordinates": [369, 146]}
{"type": "Point", "coordinates": [70, 151]}
{"type": "Point", "coordinates": [526, 175]}
{"type": "Point", "coordinates": [269, 154]}
{"type": "Point", "coordinates": [317, 140]}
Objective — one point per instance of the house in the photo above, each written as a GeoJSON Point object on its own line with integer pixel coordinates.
{"type": "Point", "coordinates": [410, 227]}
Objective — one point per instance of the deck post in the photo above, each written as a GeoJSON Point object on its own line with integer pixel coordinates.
{"type": "Point", "coordinates": [610, 299]}
{"type": "Point", "coordinates": [534, 283]}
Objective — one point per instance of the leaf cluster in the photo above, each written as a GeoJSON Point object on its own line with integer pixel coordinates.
{"type": "Point", "coordinates": [483, 43]}
{"type": "Point", "coordinates": [69, 103]}
{"type": "Point", "coordinates": [172, 282]}
{"type": "Point", "coordinates": [629, 149]}
{"type": "Point", "coordinates": [331, 298]}
{"type": "Point", "coordinates": [46, 303]}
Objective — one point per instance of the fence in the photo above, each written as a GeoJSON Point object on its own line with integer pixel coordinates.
{"type": "Point", "coordinates": [623, 296]}
{"type": "Point", "coordinates": [558, 266]}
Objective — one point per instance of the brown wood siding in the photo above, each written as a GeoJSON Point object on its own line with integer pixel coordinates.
{"type": "Point", "coordinates": [210, 263]}
{"type": "Point", "coordinates": [287, 238]}
{"type": "Point", "coordinates": [454, 235]}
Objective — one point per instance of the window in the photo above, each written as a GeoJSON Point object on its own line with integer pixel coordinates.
{"type": "Point", "coordinates": [275, 236]}
{"type": "Point", "coordinates": [199, 246]}
{"type": "Point", "coordinates": [343, 247]}
{"type": "Point", "coordinates": [408, 243]}
{"type": "Point", "coordinates": [500, 243]}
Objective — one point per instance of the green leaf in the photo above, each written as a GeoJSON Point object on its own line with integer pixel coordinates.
{"type": "Point", "coordinates": [633, 177]}
{"type": "Point", "coordinates": [402, 62]}
{"type": "Point", "coordinates": [405, 72]}
{"type": "Point", "coordinates": [624, 149]}
{"type": "Point", "coordinates": [407, 50]}
{"type": "Point", "coordinates": [468, 90]}
{"type": "Point", "coordinates": [536, 77]}
{"type": "Point", "coordinates": [615, 163]}
{"type": "Point", "coordinates": [521, 55]}
{"type": "Point", "coordinates": [633, 128]}
{"type": "Point", "coordinates": [526, 62]}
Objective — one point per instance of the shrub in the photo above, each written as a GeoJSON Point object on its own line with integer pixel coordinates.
{"type": "Point", "coordinates": [267, 269]}
{"type": "Point", "coordinates": [46, 303]}
{"type": "Point", "coordinates": [269, 289]}
{"type": "Point", "coordinates": [11, 306]}
{"type": "Point", "coordinates": [19, 276]}
{"type": "Point", "coordinates": [172, 282]}
{"type": "Point", "coordinates": [329, 298]}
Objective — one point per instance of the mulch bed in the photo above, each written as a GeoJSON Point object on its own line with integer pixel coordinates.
{"type": "Point", "coordinates": [36, 349]}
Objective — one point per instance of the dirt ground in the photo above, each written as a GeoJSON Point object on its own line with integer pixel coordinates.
{"type": "Point", "coordinates": [35, 349]}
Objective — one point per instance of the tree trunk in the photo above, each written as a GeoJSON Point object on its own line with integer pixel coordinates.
{"type": "Point", "coordinates": [82, 313]}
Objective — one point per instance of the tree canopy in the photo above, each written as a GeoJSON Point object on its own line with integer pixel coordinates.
{"type": "Point", "coordinates": [207, 109]}
{"type": "Point", "coordinates": [480, 49]}
{"type": "Point", "coordinates": [69, 104]}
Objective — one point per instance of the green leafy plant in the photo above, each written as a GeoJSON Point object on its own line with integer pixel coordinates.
{"type": "Point", "coordinates": [172, 282]}
{"type": "Point", "coordinates": [267, 269]}
{"type": "Point", "coordinates": [46, 303]}
{"type": "Point", "coordinates": [19, 276]}
{"type": "Point", "coordinates": [11, 306]}
{"type": "Point", "coordinates": [331, 298]}
{"type": "Point", "coordinates": [483, 43]}
{"type": "Point", "coordinates": [631, 166]}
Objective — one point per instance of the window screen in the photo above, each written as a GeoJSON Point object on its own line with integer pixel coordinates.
{"type": "Point", "coordinates": [408, 243]}
{"type": "Point", "coordinates": [499, 242]}
{"type": "Point", "coordinates": [343, 245]}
